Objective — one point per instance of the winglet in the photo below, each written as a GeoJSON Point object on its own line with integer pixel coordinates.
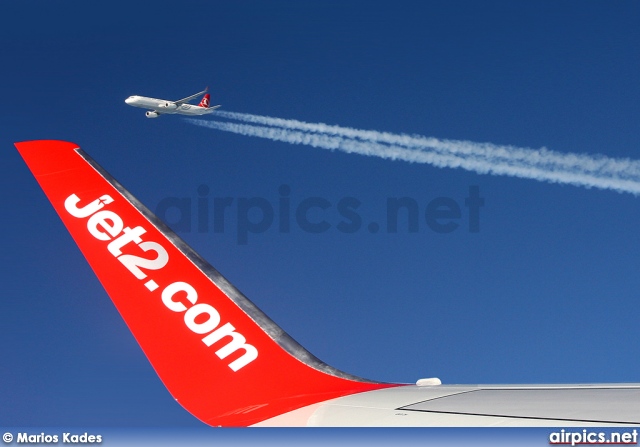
{"type": "Point", "coordinates": [218, 355]}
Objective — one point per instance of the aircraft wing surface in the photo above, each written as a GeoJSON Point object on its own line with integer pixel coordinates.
{"type": "Point", "coordinates": [189, 98]}
{"type": "Point", "coordinates": [477, 405]}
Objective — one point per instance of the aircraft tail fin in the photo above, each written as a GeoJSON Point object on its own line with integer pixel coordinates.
{"type": "Point", "coordinates": [206, 100]}
{"type": "Point", "coordinates": [218, 355]}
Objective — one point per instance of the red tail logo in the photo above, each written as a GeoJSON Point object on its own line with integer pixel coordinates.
{"type": "Point", "coordinates": [205, 101]}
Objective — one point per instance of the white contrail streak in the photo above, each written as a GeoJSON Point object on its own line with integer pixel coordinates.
{"type": "Point", "coordinates": [624, 167]}
{"type": "Point", "coordinates": [622, 175]}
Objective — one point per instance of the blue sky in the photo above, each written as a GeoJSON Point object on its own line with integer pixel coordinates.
{"type": "Point", "coordinates": [545, 292]}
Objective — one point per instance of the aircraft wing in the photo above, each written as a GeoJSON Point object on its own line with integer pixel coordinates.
{"type": "Point", "coordinates": [228, 364]}
{"type": "Point", "coordinates": [189, 98]}
{"type": "Point", "coordinates": [476, 406]}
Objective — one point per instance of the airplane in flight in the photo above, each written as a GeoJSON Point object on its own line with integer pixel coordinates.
{"type": "Point", "coordinates": [229, 364]}
{"type": "Point", "coordinates": [159, 107]}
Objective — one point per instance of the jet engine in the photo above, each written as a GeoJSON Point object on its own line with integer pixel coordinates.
{"type": "Point", "coordinates": [169, 105]}
{"type": "Point", "coordinates": [151, 114]}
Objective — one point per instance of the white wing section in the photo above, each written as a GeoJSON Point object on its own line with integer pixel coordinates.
{"type": "Point", "coordinates": [189, 98]}
{"type": "Point", "coordinates": [476, 405]}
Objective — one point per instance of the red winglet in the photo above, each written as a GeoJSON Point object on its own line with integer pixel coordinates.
{"type": "Point", "coordinates": [223, 360]}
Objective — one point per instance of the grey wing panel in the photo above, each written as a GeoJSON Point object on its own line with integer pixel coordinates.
{"type": "Point", "coordinates": [595, 405]}
{"type": "Point", "coordinates": [484, 405]}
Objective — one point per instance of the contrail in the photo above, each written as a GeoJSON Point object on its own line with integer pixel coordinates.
{"type": "Point", "coordinates": [622, 175]}
{"type": "Point", "coordinates": [624, 167]}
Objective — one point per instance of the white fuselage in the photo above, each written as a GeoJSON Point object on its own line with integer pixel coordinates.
{"type": "Point", "coordinates": [162, 106]}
